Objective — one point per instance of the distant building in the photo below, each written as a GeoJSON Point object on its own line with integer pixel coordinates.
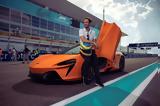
{"type": "Point", "coordinates": [45, 24]}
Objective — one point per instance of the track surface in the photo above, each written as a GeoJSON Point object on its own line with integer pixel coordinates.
{"type": "Point", "coordinates": [16, 89]}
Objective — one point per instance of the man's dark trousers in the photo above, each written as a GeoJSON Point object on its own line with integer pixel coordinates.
{"type": "Point", "coordinates": [90, 62]}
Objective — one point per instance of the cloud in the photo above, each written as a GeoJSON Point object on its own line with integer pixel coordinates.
{"type": "Point", "coordinates": [131, 39]}
{"type": "Point", "coordinates": [117, 9]}
{"type": "Point", "coordinates": [126, 13]}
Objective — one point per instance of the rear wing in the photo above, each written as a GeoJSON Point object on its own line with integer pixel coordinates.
{"type": "Point", "coordinates": [108, 40]}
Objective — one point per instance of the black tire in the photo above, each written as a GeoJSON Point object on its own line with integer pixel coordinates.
{"type": "Point", "coordinates": [48, 77]}
{"type": "Point", "coordinates": [34, 77]}
{"type": "Point", "coordinates": [122, 63]}
{"type": "Point", "coordinates": [51, 77]}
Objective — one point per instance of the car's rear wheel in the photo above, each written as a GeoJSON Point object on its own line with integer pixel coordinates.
{"type": "Point", "coordinates": [122, 63]}
{"type": "Point", "coordinates": [102, 62]}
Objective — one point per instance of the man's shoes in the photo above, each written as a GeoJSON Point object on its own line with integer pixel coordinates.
{"type": "Point", "coordinates": [100, 84]}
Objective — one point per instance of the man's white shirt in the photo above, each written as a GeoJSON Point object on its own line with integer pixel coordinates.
{"type": "Point", "coordinates": [83, 32]}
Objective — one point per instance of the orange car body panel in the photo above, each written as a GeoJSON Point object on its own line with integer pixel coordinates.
{"type": "Point", "coordinates": [108, 40]}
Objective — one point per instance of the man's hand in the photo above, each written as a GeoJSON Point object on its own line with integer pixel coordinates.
{"type": "Point", "coordinates": [95, 45]}
{"type": "Point", "coordinates": [92, 42]}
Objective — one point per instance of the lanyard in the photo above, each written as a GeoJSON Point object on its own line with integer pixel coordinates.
{"type": "Point", "coordinates": [88, 33]}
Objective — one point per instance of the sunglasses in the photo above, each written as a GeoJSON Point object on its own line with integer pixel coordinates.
{"type": "Point", "coordinates": [87, 37]}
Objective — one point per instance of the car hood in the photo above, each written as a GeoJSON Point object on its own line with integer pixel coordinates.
{"type": "Point", "coordinates": [51, 60]}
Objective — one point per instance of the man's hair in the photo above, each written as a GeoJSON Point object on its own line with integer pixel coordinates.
{"type": "Point", "coordinates": [88, 18]}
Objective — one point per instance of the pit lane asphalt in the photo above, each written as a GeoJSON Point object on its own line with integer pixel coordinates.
{"type": "Point", "coordinates": [16, 89]}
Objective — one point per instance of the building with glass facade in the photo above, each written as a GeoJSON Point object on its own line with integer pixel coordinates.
{"type": "Point", "coordinates": [50, 25]}
{"type": "Point", "coordinates": [23, 22]}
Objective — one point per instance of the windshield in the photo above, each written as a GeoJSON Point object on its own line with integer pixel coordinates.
{"type": "Point", "coordinates": [74, 50]}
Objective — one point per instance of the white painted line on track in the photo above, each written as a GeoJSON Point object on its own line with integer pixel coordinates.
{"type": "Point", "coordinates": [82, 94]}
{"type": "Point", "coordinates": [133, 96]}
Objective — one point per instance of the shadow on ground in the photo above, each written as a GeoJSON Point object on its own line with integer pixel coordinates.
{"type": "Point", "coordinates": [58, 89]}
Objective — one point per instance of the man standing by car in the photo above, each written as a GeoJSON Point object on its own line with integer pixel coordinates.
{"type": "Point", "coordinates": [87, 50]}
{"type": "Point", "coordinates": [26, 54]}
{"type": "Point", "coordinates": [14, 54]}
{"type": "Point", "coordinates": [1, 52]}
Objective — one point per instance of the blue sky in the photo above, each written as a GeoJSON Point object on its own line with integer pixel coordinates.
{"type": "Point", "coordinates": [140, 19]}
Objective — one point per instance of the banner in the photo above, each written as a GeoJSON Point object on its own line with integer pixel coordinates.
{"type": "Point", "coordinates": [152, 44]}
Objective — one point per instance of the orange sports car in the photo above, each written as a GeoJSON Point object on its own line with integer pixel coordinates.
{"type": "Point", "coordinates": [67, 66]}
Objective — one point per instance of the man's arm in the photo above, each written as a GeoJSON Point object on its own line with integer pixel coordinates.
{"type": "Point", "coordinates": [95, 40]}
{"type": "Point", "coordinates": [85, 40]}
{"type": "Point", "coordinates": [95, 44]}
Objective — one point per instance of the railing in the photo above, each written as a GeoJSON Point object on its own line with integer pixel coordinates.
{"type": "Point", "coordinates": [27, 36]}
{"type": "Point", "coordinates": [137, 55]}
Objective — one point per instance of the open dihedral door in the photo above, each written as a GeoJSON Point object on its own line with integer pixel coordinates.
{"type": "Point", "coordinates": [108, 40]}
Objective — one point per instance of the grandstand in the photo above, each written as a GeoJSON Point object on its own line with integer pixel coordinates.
{"type": "Point", "coordinates": [50, 25]}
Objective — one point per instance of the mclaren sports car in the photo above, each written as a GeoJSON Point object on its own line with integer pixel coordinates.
{"type": "Point", "coordinates": [67, 66]}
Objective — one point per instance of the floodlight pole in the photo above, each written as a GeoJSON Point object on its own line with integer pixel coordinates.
{"type": "Point", "coordinates": [103, 13]}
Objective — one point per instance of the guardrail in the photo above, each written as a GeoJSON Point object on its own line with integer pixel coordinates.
{"type": "Point", "coordinates": [34, 37]}
{"type": "Point", "coordinates": [131, 55]}
{"type": "Point", "coordinates": [20, 55]}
